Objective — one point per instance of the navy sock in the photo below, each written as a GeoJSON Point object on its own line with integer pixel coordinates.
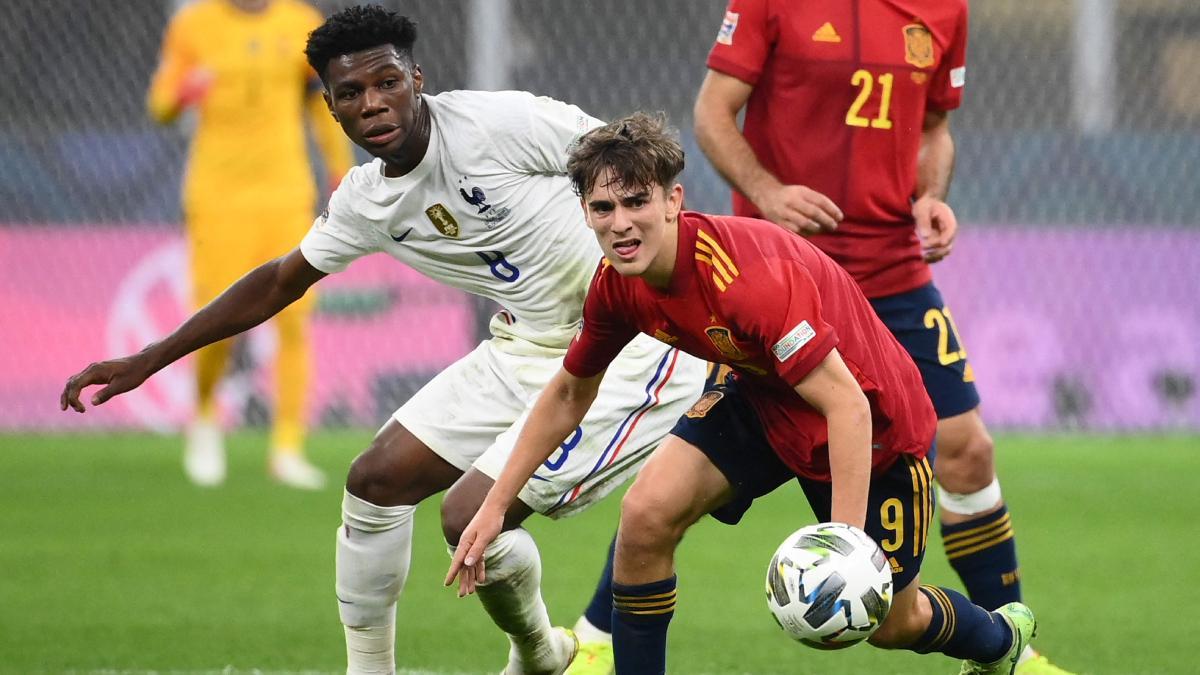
{"type": "Point", "coordinates": [984, 553]}
{"type": "Point", "coordinates": [640, 617]}
{"type": "Point", "coordinates": [962, 630]}
{"type": "Point", "coordinates": [599, 610]}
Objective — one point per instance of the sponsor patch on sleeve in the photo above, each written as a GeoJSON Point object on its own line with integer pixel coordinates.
{"type": "Point", "coordinates": [958, 76]}
{"type": "Point", "coordinates": [791, 343]}
{"type": "Point", "coordinates": [725, 35]}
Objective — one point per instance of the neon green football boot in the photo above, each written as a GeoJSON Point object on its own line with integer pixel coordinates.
{"type": "Point", "coordinates": [1024, 627]}
{"type": "Point", "coordinates": [594, 658]}
{"type": "Point", "coordinates": [1038, 664]}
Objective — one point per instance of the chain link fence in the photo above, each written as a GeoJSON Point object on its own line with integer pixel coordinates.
{"type": "Point", "coordinates": [1074, 283]}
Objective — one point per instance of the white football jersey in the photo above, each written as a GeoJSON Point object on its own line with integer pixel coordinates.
{"type": "Point", "coordinates": [489, 210]}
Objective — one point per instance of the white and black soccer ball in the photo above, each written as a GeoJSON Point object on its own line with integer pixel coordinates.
{"type": "Point", "coordinates": [829, 585]}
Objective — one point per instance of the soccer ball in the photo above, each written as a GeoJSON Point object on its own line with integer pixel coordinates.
{"type": "Point", "coordinates": [829, 586]}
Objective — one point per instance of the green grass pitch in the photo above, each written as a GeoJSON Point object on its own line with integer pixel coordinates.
{"type": "Point", "coordinates": [111, 561]}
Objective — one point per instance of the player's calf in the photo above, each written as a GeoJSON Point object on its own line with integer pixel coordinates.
{"type": "Point", "coordinates": [373, 550]}
{"type": "Point", "coordinates": [962, 630]}
{"type": "Point", "coordinates": [906, 621]}
{"type": "Point", "coordinates": [374, 542]}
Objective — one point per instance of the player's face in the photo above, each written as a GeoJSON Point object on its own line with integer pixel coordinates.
{"type": "Point", "coordinates": [636, 227]}
{"type": "Point", "coordinates": [374, 94]}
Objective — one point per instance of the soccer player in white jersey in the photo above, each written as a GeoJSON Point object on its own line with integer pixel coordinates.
{"type": "Point", "coordinates": [470, 189]}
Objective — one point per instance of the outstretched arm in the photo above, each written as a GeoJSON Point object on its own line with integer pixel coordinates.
{"type": "Point", "coordinates": [793, 207]}
{"type": "Point", "coordinates": [833, 391]}
{"type": "Point", "coordinates": [559, 410]}
{"type": "Point", "coordinates": [936, 224]}
{"type": "Point", "coordinates": [253, 299]}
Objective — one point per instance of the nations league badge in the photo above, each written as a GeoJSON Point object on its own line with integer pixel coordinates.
{"type": "Point", "coordinates": [725, 35]}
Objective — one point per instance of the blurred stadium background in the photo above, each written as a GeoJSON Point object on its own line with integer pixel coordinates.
{"type": "Point", "coordinates": [1075, 283]}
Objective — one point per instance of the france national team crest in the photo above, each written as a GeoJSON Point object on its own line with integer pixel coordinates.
{"type": "Point", "coordinates": [918, 45]}
{"type": "Point", "coordinates": [722, 339]}
{"type": "Point", "coordinates": [444, 222]}
{"type": "Point", "coordinates": [728, 26]}
{"type": "Point", "coordinates": [478, 198]}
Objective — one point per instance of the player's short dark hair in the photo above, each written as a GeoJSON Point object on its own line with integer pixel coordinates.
{"type": "Point", "coordinates": [641, 150]}
{"type": "Point", "coordinates": [356, 29]}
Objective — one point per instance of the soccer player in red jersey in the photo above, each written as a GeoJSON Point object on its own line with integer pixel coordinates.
{"type": "Point", "coordinates": [846, 140]}
{"type": "Point", "coordinates": [823, 393]}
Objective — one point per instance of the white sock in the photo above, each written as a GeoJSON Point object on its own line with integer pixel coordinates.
{"type": "Point", "coordinates": [512, 597]}
{"type": "Point", "coordinates": [374, 547]}
{"type": "Point", "coordinates": [586, 631]}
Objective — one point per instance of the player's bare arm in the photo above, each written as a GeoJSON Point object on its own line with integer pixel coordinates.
{"type": "Point", "coordinates": [560, 408]}
{"type": "Point", "coordinates": [833, 391]}
{"type": "Point", "coordinates": [935, 221]}
{"type": "Point", "coordinates": [253, 299]}
{"type": "Point", "coordinates": [794, 207]}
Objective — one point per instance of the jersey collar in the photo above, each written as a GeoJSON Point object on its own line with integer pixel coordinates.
{"type": "Point", "coordinates": [685, 263]}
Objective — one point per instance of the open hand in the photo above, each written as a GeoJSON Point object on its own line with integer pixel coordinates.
{"type": "Point", "coordinates": [468, 556]}
{"type": "Point", "coordinates": [120, 375]}
{"type": "Point", "coordinates": [936, 227]}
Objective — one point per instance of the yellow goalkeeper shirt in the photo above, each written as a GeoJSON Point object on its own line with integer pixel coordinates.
{"type": "Point", "coordinates": [249, 149]}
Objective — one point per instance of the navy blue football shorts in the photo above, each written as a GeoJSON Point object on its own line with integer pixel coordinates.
{"type": "Point", "coordinates": [922, 323]}
{"type": "Point", "coordinates": [899, 504]}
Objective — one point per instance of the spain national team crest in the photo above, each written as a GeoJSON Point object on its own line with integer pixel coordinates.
{"type": "Point", "coordinates": [705, 403]}
{"type": "Point", "coordinates": [918, 45]}
{"type": "Point", "coordinates": [722, 339]}
{"type": "Point", "coordinates": [445, 223]}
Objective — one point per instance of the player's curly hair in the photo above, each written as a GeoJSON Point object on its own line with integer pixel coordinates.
{"type": "Point", "coordinates": [640, 149]}
{"type": "Point", "coordinates": [355, 29]}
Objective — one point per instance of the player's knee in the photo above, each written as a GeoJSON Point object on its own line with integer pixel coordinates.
{"type": "Point", "coordinates": [457, 513]}
{"type": "Point", "coordinates": [463, 500]}
{"type": "Point", "coordinates": [455, 518]}
{"type": "Point", "coordinates": [968, 465]}
{"type": "Point", "coordinates": [376, 476]}
{"type": "Point", "coordinates": [647, 524]}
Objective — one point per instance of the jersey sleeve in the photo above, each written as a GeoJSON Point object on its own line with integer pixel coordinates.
{"type": "Point", "coordinates": [176, 60]}
{"type": "Point", "coordinates": [945, 92]}
{"type": "Point", "coordinates": [540, 135]}
{"type": "Point", "coordinates": [782, 311]}
{"type": "Point", "coordinates": [336, 153]}
{"type": "Point", "coordinates": [744, 41]}
{"type": "Point", "coordinates": [339, 236]}
{"type": "Point", "coordinates": [603, 334]}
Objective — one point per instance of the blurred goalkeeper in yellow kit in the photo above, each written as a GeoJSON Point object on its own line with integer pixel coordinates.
{"type": "Point", "coordinates": [249, 192]}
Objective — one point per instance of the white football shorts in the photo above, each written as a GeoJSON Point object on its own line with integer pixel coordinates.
{"type": "Point", "coordinates": [471, 413]}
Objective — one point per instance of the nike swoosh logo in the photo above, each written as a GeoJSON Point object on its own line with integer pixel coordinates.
{"type": "Point", "coordinates": [401, 237]}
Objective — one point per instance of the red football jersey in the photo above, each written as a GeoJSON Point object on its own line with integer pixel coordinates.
{"type": "Point", "coordinates": [839, 100]}
{"type": "Point", "coordinates": [771, 305]}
